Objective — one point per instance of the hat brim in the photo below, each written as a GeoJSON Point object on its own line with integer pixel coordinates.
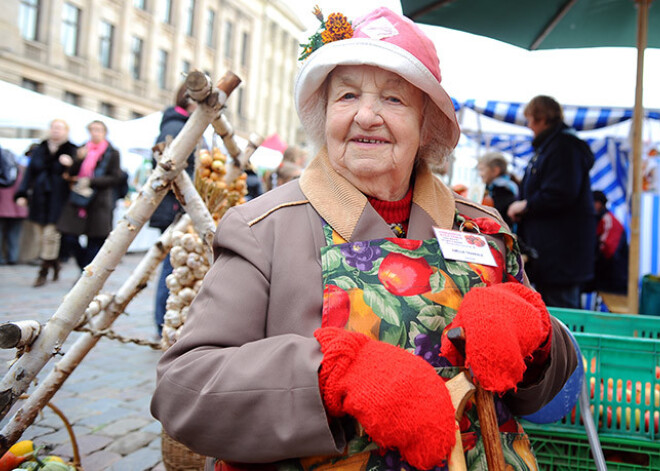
{"type": "Point", "coordinates": [377, 53]}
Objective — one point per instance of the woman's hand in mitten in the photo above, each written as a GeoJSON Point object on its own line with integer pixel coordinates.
{"type": "Point", "coordinates": [505, 326]}
{"type": "Point", "coordinates": [397, 397]}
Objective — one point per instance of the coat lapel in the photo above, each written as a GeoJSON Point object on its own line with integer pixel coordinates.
{"type": "Point", "coordinates": [349, 213]}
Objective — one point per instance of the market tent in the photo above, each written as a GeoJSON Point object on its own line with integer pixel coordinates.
{"type": "Point", "coordinates": [606, 130]}
{"type": "Point", "coordinates": [556, 24]}
{"type": "Point", "coordinates": [35, 111]}
{"type": "Point", "coordinates": [25, 109]}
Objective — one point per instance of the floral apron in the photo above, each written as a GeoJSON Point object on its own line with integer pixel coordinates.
{"type": "Point", "coordinates": [403, 292]}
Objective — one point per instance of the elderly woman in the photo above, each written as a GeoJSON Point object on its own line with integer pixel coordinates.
{"type": "Point", "coordinates": [316, 341]}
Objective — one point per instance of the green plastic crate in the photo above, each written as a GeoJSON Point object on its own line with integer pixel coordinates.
{"type": "Point", "coordinates": [567, 452]}
{"type": "Point", "coordinates": [621, 354]}
{"type": "Point", "coordinates": [623, 376]}
{"type": "Point", "coordinates": [625, 325]}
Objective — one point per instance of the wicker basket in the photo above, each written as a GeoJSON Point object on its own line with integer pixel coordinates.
{"type": "Point", "coordinates": [177, 457]}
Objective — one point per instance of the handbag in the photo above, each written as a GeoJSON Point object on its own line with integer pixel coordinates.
{"type": "Point", "coordinates": [81, 195]}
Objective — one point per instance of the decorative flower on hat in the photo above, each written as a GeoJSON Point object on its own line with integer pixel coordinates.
{"type": "Point", "coordinates": [335, 28]}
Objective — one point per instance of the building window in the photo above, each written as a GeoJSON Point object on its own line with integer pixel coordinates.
{"type": "Point", "coordinates": [161, 74]}
{"type": "Point", "coordinates": [185, 67]}
{"type": "Point", "coordinates": [107, 109]}
{"type": "Point", "coordinates": [141, 4]}
{"type": "Point", "coordinates": [190, 17]}
{"type": "Point", "coordinates": [210, 20]}
{"type": "Point", "coordinates": [31, 85]}
{"type": "Point", "coordinates": [245, 49]}
{"type": "Point", "coordinates": [166, 13]}
{"type": "Point", "coordinates": [70, 29]}
{"type": "Point", "coordinates": [71, 98]}
{"type": "Point", "coordinates": [136, 57]}
{"type": "Point", "coordinates": [28, 19]}
{"type": "Point", "coordinates": [106, 38]}
{"type": "Point", "coordinates": [228, 36]}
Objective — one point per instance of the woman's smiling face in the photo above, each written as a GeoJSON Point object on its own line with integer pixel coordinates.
{"type": "Point", "coordinates": [373, 126]}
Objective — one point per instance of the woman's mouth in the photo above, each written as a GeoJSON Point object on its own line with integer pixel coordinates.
{"type": "Point", "coordinates": [369, 140]}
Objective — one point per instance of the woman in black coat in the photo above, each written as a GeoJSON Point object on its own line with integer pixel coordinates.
{"type": "Point", "coordinates": [45, 191]}
{"type": "Point", "coordinates": [95, 173]}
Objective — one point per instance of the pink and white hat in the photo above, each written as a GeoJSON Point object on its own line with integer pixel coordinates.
{"type": "Point", "coordinates": [391, 42]}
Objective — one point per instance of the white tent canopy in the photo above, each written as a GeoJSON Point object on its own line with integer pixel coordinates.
{"type": "Point", "coordinates": [26, 109]}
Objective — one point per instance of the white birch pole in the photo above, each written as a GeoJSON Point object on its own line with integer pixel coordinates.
{"type": "Point", "coordinates": [19, 334]}
{"type": "Point", "coordinates": [47, 388]}
{"type": "Point", "coordinates": [239, 161]}
{"type": "Point", "coordinates": [192, 202]}
{"type": "Point", "coordinates": [24, 370]}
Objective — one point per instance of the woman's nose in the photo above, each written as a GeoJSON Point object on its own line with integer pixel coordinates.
{"type": "Point", "coordinates": [369, 113]}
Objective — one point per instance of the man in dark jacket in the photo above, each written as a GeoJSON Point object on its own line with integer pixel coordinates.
{"type": "Point", "coordinates": [173, 120]}
{"type": "Point", "coordinates": [556, 213]}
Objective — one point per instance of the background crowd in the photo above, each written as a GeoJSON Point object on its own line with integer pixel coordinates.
{"type": "Point", "coordinates": [65, 191]}
{"type": "Point", "coordinates": [571, 242]}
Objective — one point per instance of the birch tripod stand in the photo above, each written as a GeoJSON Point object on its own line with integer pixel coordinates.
{"type": "Point", "coordinates": [83, 308]}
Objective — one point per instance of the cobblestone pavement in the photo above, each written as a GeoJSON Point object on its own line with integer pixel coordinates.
{"type": "Point", "coordinates": [106, 398]}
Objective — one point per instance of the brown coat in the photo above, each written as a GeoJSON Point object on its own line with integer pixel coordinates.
{"type": "Point", "coordinates": [241, 382]}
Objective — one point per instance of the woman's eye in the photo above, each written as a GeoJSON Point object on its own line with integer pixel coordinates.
{"type": "Point", "coordinates": [348, 96]}
{"type": "Point", "coordinates": [393, 99]}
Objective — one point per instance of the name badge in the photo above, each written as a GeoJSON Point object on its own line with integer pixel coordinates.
{"type": "Point", "coordinates": [464, 247]}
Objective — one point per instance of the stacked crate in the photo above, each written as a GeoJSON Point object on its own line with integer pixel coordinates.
{"type": "Point", "coordinates": [621, 355]}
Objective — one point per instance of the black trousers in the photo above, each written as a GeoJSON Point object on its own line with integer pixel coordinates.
{"type": "Point", "coordinates": [567, 296]}
{"type": "Point", "coordinates": [83, 255]}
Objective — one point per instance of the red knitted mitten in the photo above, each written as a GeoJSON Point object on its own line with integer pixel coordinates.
{"type": "Point", "coordinates": [397, 397]}
{"type": "Point", "coordinates": [505, 324]}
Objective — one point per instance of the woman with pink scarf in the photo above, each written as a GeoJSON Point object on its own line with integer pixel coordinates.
{"type": "Point", "coordinates": [93, 176]}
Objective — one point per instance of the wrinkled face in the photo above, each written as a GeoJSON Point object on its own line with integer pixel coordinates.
{"type": "Point", "coordinates": [96, 132]}
{"type": "Point", "coordinates": [58, 131]}
{"type": "Point", "coordinates": [373, 123]}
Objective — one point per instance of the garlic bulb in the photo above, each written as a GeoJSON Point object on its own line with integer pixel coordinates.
{"type": "Point", "coordinates": [187, 295]}
{"type": "Point", "coordinates": [178, 256]}
{"type": "Point", "coordinates": [174, 302]}
{"type": "Point", "coordinates": [173, 318]}
{"type": "Point", "coordinates": [172, 283]}
{"type": "Point", "coordinates": [188, 242]}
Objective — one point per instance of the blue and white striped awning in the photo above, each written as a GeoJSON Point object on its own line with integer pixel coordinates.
{"type": "Point", "coordinates": [581, 118]}
{"type": "Point", "coordinates": [609, 173]}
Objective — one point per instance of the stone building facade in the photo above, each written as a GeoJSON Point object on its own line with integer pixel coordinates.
{"type": "Point", "coordinates": [126, 58]}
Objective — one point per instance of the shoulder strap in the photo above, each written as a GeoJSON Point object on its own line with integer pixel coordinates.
{"type": "Point", "coordinates": [102, 166]}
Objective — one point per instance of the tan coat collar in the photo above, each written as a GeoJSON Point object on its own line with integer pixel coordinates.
{"type": "Point", "coordinates": [342, 205]}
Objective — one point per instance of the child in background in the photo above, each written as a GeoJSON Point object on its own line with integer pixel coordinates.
{"type": "Point", "coordinates": [501, 189]}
